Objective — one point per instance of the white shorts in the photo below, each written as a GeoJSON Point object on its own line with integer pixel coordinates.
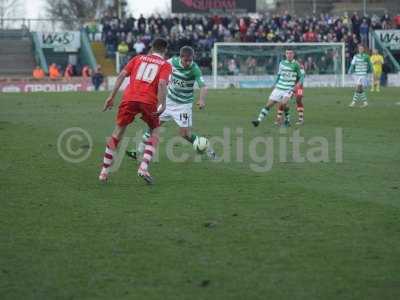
{"type": "Point", "coordinates": [278, 95]}
{"type": "Point", "coordinates": [361, 80]}
{"type": "Point", "coordinates": [181, 113]}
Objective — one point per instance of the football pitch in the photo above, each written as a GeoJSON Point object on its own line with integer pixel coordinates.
{"type": "Point", "coordinates": [263, 223]}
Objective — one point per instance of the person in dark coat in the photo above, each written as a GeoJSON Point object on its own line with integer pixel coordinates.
{"type": "Point", "coordinates": [97, 78]}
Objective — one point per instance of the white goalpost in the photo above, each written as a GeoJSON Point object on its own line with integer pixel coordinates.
{"type": "Point", "coordinates": [256, 64]}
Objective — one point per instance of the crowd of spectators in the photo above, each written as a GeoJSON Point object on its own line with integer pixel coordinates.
{"type": "Point", "coordinates": [133, 36]}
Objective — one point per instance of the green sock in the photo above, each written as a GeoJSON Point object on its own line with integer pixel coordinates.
{"type": "Point", "coordinates": [263, 113]}
{"type": "Point", "coordinates": [192, 138]}
{"type": "Point", "coordinates": [356, 97]}
{"type": "Point", "coordinates": [363, 96]}
{"type": "Point", "coordinates": [146, 136]}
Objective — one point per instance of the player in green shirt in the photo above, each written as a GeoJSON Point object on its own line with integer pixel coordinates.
{"type": "Point", "coordinates": [289, 74]}
{"type": "Point", "coordinates": [360, 67]}
{"type": "Point", "coordinates": [180, 97]}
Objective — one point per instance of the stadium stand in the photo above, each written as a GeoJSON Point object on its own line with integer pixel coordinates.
{"type": "Point", "coordinates": [16, 54]}
{"type": "Point", "coordinates": [201, 32]}
{"type": "Point", "coordinates": [99, 51]}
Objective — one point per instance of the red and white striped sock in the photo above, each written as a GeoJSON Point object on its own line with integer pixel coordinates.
{"type": "Point", "coordinates": [300, 111]}
{"type": "Point", "coordinates": [109, 154]}
{"type": "Point", "coordinates": [148, 153]}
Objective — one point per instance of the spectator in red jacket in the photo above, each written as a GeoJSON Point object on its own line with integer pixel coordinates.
{"type": "Point", "coordinates": [396, 21]}
{"type": "Point", "coordinates": [242, 29]}
{"type": "Point", "coordinates": [86, 71]}
{"type": "Point", "coordinates": [310, 36]}
{"type": "Point", "coordinates": [69, 72]}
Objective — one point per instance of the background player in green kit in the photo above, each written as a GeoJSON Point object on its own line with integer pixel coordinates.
{"type": "Point", "coordinates": [180, 97]}
{"type": "Point", "coordinates": [360, 68]}
{"type": "Point", "coordinates": [289, 74]}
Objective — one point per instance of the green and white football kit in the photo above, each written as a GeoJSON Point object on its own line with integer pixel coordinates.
{"type": "Point", "coordinates": [180, 96]}
{"type": "Point", "coordinates": [289, 74]}
{"type": "Point", "coordinates": [360, 68]}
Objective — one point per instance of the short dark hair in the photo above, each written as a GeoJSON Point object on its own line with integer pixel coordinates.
{"type": "Point", "coordinates": [186, 50]}
{"type": "Point", "coordinates": [159, 44]}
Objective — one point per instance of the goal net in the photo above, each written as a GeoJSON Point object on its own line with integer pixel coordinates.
{"type": "Point", "coordinates": [255, 65]}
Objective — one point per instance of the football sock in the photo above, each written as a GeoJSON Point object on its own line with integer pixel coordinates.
{"type": "Point", "coordinates": [363, 96]}
{"type": "Point", "coordinates": [356, 96]}
{"type": "Point", "coordinates": [279, 114]}
{"type": "Point", "coordinates": [109, 154]}
{"type": "Point", "coordinates": [192, 138]}
{"type": "Point", "coordinates": [263, 113]}
{"type": "Point", "coordinates": [287, 114]}
{"type": "Point", "coordinates": [142, 144]}
{"type": "Point", "coordinates": [149, 150]}
{"type": "Point", "coordinates": [300, 111]}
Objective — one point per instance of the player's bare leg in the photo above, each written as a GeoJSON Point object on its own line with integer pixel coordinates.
{"type": "Point", "coordinates": [300, 110]}
{"type": "Point", "coordinates": [263, 113]}
{"type": "Point", "coordinates": [111, 148]}
{"type": "Point", "coordinates": [186, 133]}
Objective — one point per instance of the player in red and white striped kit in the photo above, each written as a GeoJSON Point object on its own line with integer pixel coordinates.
{"type": "Point", "coordinates": [145, 95]}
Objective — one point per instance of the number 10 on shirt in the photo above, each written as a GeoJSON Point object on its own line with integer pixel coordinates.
{"type": "Point", "coordinates": [147, 72]}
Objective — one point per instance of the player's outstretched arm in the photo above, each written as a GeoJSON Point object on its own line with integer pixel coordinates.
{"type": "Point", "coordinates": [108, 104]}
{"type": "Point", "coordinates": [276, 79]}
{"type": "Point", "coordinates": [300, 76]}
{"type": "Point", "coordinates": [350, 70]}
{"type": "Point", "coordinates": [202, 98]}
{"type": "Point", "coordinates": [161, 96]}
{"type": "Point", "coordinates": [352, 65]}
{"type": "Point", "coordinates": [201, 103]}
{"type": "Point", "coordinates": [370, 68]}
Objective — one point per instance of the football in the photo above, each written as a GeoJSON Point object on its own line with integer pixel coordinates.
{"type": "Point", "coordinates": [200, 144]}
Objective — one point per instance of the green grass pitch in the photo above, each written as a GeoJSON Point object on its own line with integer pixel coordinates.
{"type": "Point", "coordinates": [312, 230]}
